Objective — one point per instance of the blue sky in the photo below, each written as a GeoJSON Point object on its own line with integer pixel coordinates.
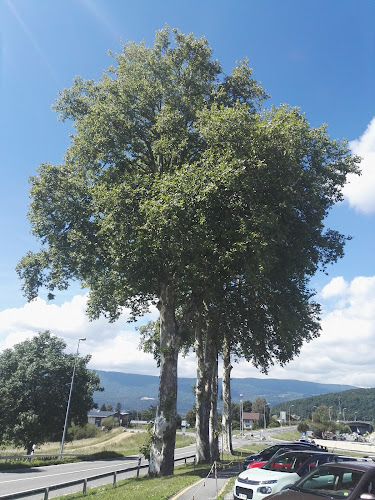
{"type": "Point", "coordinates": [318, 55]}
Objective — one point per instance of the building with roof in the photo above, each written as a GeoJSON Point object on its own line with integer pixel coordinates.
{"type": "Point", "coordinates": [96, 417]}
{"type": "Point", "coordinates": [249, 419]}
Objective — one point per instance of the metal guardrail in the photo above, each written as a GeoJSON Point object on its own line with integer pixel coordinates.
{"type": "Point", "coordinates": [47, 489]}
{"type": "Point", "coordinates": [32, 457]}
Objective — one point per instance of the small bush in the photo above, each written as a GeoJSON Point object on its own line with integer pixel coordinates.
{"type": "Point", "coordinates": [110, 423]}
{"type": "Point", "coordinates": [273, 423]}
{"type": "Point", "coordinates": [145, 447]}
{"type": "Point", "coordinates": [303, 426]}
{"type": "Point", "coordinates": [86, 432]}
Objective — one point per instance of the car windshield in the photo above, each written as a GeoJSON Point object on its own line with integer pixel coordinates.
{"type": "Point", "coordinates": [329, 481]}
{"type": "Point", "coordinates": [269, 452]}
{"type": "Point", "coordinates": [287, 462]}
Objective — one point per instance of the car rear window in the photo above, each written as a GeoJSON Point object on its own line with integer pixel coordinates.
{"type": "Point", "coordinates": [330, 480]}
{"type": "Point", "coordinates": [288, 462]}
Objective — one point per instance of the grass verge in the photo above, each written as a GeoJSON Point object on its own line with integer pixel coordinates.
{"type": "Point", "coordinates": [160, 488]}
{"type": "Point", "coordinates": [113, 444]}
{"type": "Point", "coordinates": [288, 435]}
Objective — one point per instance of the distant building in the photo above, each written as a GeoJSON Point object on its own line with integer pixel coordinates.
{"type": "Point", "coordinates": [249, 418]}
{"type": "Point", "coordinates": [97, 416]}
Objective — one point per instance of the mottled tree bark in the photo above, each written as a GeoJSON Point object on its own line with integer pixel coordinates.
{"type": "Point", "coordinates": [213, 428]}
{"type": "Point", "coordinates": [226, 422]}
{"type": "Point", "coordinates": [202, 398]}
{"type": "Point", "coordinates": [164, 433]}
{"type": "Point", "coordinates": [206, 394]}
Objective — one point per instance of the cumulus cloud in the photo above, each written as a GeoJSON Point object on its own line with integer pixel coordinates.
{"type": "Point", "coordinates": [341, 355]}
{"type": "Point", "coordinates": [336, 287]}
{"type": "Point", "coordinates": [343, 352]}
{"type": "Point", "coordinates": [113, 346]}
{"type": "Point", "coordinates": [359, 191]}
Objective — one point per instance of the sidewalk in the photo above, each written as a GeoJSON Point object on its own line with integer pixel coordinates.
{"type": "Point", "coordinates": [208, 488]}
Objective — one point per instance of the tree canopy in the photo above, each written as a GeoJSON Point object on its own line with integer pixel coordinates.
{"type": "Point", "coordinates": [180, 189]}
{"type": "Point", "coordinates": [35, 379]}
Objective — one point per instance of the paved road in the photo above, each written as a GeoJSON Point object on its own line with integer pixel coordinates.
{"type": "Point", "coordinates": [28, 479]}
{"type": "Point", "coordinates": [40, 477]}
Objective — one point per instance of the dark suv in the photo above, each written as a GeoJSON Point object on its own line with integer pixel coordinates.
{"type": "Point", "coordinates": [267, 453]}
{"type": "Point", "coordinates": [346, 480]}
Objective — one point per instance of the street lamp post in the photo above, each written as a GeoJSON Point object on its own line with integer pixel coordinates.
{"type": "Point", "coordinates": [343, 414]}
{"type": "Point", "coordinates": [241, 415]}
{"type": "Point", "coordinates": [264, 416]}
{"type": "Point", "coordinates": [312, 414]}
{"type": "Point", "coordinates": [70, 396]}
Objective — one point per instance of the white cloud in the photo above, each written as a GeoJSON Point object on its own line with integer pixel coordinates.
{"type": "Point", "coordinates": [113, 346]}
{"type": "Point", "coordinates": [336, 287]}
{"type": "Point", "coordinates": [359, 191]}
{"type": "Point", "coordinates": [341, 355]}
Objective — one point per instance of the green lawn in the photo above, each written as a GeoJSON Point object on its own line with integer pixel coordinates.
{"type": "Point", "coordinates": [288, 435]}
{"type": "Point", "coordinates": [106, 445]}
{"type": "Point", "coordinates": [147, 488]}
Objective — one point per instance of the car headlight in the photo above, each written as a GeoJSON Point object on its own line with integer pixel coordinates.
{"type": "Point", "coordinates": [266, 490]}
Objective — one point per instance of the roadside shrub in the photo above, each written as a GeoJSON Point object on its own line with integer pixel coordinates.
{"type": "Point", "coordinates": [76, 432]}
{"type": "Point", "coordinates": [110, 422]}
{"type": "Point", "coordinates": [190, 416]}
{"type": "Point", "coordinates": [303, 426]}
{"type": "Point", "coordinates": [145, 447]}
{"type": "Point", "coordinates": [273, 423]}
{"type": "Point", "coordinates": [318, 429]}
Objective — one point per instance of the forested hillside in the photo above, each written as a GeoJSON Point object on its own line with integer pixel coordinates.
{"type": "Point", "coordinates": [354, 404]}
{"type": "Point", "coordinates": [137, 391]}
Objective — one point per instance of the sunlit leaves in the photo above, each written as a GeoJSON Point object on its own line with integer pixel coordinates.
{"type": "Point", "coordinates": [35, 377]}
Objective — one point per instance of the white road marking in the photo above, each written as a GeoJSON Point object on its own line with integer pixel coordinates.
{"type": "Point", "coordinates": [61, 473]}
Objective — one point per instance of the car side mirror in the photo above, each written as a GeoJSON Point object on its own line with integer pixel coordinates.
{"type": "Point", "coordinates": [367, 496]}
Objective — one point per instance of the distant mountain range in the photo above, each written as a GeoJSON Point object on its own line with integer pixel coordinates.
{"type": "Point", "coordinates": [140, 391]}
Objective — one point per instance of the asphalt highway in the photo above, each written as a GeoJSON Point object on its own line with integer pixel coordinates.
{"type": "Point", "coordinates": [19, 480]}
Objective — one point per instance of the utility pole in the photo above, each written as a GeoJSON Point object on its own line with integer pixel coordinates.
{"type": "Point", "coordinates": [70, 396]}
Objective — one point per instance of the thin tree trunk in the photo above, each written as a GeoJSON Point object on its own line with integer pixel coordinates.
{"type": "Point", "coordinates": [214, 430]}
{"type": "Point", "coordinates": [226, 423]}
{"type": "Point", "coordinates": [164, 433]}
{"type": "Point", "coordinates": [202, 399]}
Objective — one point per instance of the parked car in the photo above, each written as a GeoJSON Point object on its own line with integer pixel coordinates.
{"type": "Point", "coordinates": [280, 472]}
{"type": "Point", "coordinates": [305, 440]}
{"type": "Point", "coordinates": [260, 463]}
{"type": "Point", "coordinates": [267, 453]}
{"type": "Point", "coordinates": [345, 480]}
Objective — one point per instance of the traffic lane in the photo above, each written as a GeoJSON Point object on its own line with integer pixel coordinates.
{"type": "Point", "coordinates": [40, 477]}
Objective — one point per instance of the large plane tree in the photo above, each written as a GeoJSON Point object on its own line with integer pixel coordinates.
{"type": "Point", "coordinates": [176, 179]}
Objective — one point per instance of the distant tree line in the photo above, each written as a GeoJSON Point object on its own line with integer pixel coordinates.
{"type": "Point", "coordinates": [353, 404]}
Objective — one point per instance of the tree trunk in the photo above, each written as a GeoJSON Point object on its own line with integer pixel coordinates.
{"type": "Point", "coordinates": [202, 399]}
{"type": "Point", "coordinates": [164, 432]}
{"type": "Point", "coordinates": [226, 423]}
{"type": "Point", "coordinates": [214, 430]}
